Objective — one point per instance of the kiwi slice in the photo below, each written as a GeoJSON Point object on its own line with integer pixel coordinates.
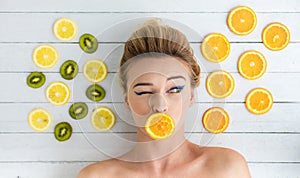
{"type": "Point", "coordinates": [63, 131]}
{"type": "Point", "coordinates": [69, 70]}
{"type": "Point", "coordinates": [88, 43]}
{"type": "Point", "coordinates": [36, 79]}
{"type": "Point", "coordinates": [78, 110]}
{"type": "Point", "coordinates": [95, 92]}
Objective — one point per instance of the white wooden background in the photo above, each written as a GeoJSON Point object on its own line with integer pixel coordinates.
{"type": "Point", "coordinates": [270, 142]}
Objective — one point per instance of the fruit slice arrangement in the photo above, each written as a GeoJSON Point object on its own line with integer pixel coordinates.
{"type": "Point", "coordinates": [103, 119]}
{"type": "Point", "coordinates": [241, 20]}
{"type": "Point", "coordinates": [95, 70]}
{"type": "Point", "coordinates": [220, 84]}
{"type": "Point", "coordinates": [45, 56]}
{"type": "Point", "coordinates": [39, 119]}
{"type": "Point", "coordinates": [88, 43]}
{"type": "Point", "coordinates": [215, 120]}
{"type": "Point", "coordinates": [159, 126]}
{"type": "Point", "coordinates": [65, 29]}
{"type": "Point", "coordinates": [58, 93]}
{"type": "Point", "coordinates": [36, 79]}
{"type": "Point", "coordinates": [69, 70]}
{"type": "Point", "coordinates": [63, 131]}
{"type": "Point", "coordinates": [276, 36]}
{"type": "Point", "coordinates": [215, 47]}
{"type": "Point", "coordinates": [259, 101]}
{"type": "Point", "coordinates": [252, 65]}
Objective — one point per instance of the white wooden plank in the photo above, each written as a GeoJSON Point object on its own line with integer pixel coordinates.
{"type": "Point", "coordinates": [94, 147]}
{"type": "Point", "coordinates": [111, 53]}
{"type": "Point", "coordinates": [70, 170]}
{"type": "Point", "coordinates": [145, 6]}
{"type": "Point", "coordinates": [116, 27]}
{"type": "Point", "coordinates": [284, 88]}
{"type": "Point", "coordinates": [283, 118]}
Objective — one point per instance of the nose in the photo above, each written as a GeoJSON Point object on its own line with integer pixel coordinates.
{"type": "Point", "coordinates": [158, 103]}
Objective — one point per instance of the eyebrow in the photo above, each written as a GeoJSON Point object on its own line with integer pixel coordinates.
{"type": "Point", "coordinates": [151, 84]}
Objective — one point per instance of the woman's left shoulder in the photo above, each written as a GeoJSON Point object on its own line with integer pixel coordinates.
{"type": "Point", "coordinates": [227, 161]}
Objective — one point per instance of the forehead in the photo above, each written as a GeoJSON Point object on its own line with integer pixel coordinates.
{"type": "Point", "coordinates": [164, 66]}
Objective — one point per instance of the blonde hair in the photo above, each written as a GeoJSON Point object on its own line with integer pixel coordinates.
{"type": "Point", "coordinates": [155, 39]}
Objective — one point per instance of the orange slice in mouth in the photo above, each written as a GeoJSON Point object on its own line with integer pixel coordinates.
{"type": "Point", "coordinates": [160, 126]}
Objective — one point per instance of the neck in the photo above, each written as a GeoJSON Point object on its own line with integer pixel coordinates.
{"type": "Point", "coordinates": [147, 149]}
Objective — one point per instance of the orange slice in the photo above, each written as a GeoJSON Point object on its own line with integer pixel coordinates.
{"type": "Point", "coordinates": [39, 119]}
{"type": "Point", "coordinates": [220, 84]}
{"type": "Point", "coordinates": [103, 119]}
{"type": "Point", "coordinates": [58, 93]}
{"type": "Point", "coordinates": [276, 36]}
{"type": "Point", "coordinates": [215, 120]}
{"type": "Point", "coordinates": [65, 29]}
{"type": "Point", "coordinates": [215, 47]}
{"type": "Point", "coordinates": [95, 70]}
{"type": "Point", "coordinates": [241, 20]}
{"type": "Point", "coordinates": [259, 101]}
{"type": "Point", "coordinates": [252, 65]}
{"type": "Point", "coordinates": [160, 126]}
{"type": "Point", "coordinates": [45, 56]}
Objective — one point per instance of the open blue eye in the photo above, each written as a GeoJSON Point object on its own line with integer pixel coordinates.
{"type": "Point", "coordinates": [176, 89]}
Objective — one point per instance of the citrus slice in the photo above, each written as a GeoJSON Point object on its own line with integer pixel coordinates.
{"type": "Point", "coordinates": [160, 126]}
{"type": "Point", "coordinates": [259, 101]}
{"type": "Point", "coordinates": [58, 93]}
{"type": "Point", "coordinates": [241, 20]}
{"type": "Point", "coordinates": [39, 119]}
{"type": "Point", "coordinates": [276, 36]}
{"type": "Point", "coordinates": [103, 119]}
{"type": "Point", "coordinates": [65, 29]}
{"type": "Point", "coordinates": [95, 70]}
{"type": "Point", "coordinates": [45, 56]}
{"type": "Point", "coordinates": [215, 47]}
{"type": "Point", "coordinates": [215, 120]}
{"type": "Point", "coordinates": [220, 84]}
{"type": "Point", "coordinates": [252, 65]}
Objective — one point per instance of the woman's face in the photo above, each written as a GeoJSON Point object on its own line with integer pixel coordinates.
{"type": "Point", "coordinates": [158, 85]}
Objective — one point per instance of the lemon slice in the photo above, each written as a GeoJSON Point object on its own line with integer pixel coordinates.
{"type": "Point", "coordinates": [95, 70]}
{"type": "Point", "coordinates": [220, 84]}
{"type": "Point", "coordinates": [103, 119]}
{"type": "Point", "coordinates": [45, 56]}
{"type": "Point", "coordinates": [160, 126]}
{"type": "Point", "coordinates": [259, 101]}
{"type": "Point", "coordinates": [241, 20]}
{"type": "Point", "coordinates": [58, 93]}
{"type": "Point", "coordinates": [252, 64]}
{"type": "Point", "coordinates": [276, 36]}
{"type": "Point", "coordinates": [65, 29]}
{"type": "Point", "coordinates": [39, 119]}
{"type": "Point", "coordinates": [215, 47]}
{"type": "Point", "coordinates": [215, 120]}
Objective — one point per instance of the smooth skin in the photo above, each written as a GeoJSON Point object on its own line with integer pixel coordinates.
{"type": "Point", "coordinates": [154, 89]}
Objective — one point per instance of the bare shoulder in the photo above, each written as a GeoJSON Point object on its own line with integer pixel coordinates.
{"type": "Point", "coordinates": [227, 162]}
{"type": "Point", "coordinates": [101, 169]}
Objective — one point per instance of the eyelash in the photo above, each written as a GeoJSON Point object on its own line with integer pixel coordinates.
{"type": "Point", "coordinates": [177, 90]}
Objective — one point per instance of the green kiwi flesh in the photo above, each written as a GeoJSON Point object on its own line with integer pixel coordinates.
{"type": "Point", "coordinates": [88, 43]}
{"type": "Point", "coordinates": [69, 70]}
{"type": "Point", "coordinates": [36, 79]}
{"type": "Point", "coordinates": [95, 92]}
{"type": "Point", "coordinates": [78, 110]}
{"type": "Point", "coordinates": [63, 131]}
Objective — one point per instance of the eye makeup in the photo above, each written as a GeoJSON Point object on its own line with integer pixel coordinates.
{"type": "Point", "coordinates": [176, 89]}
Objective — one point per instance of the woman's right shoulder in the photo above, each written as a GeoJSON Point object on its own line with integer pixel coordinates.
{"type": "Point", "coordinates": [95, 170]}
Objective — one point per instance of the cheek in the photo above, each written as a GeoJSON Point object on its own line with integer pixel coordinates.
{"type": "Point", "coordinates": [138, 105]}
